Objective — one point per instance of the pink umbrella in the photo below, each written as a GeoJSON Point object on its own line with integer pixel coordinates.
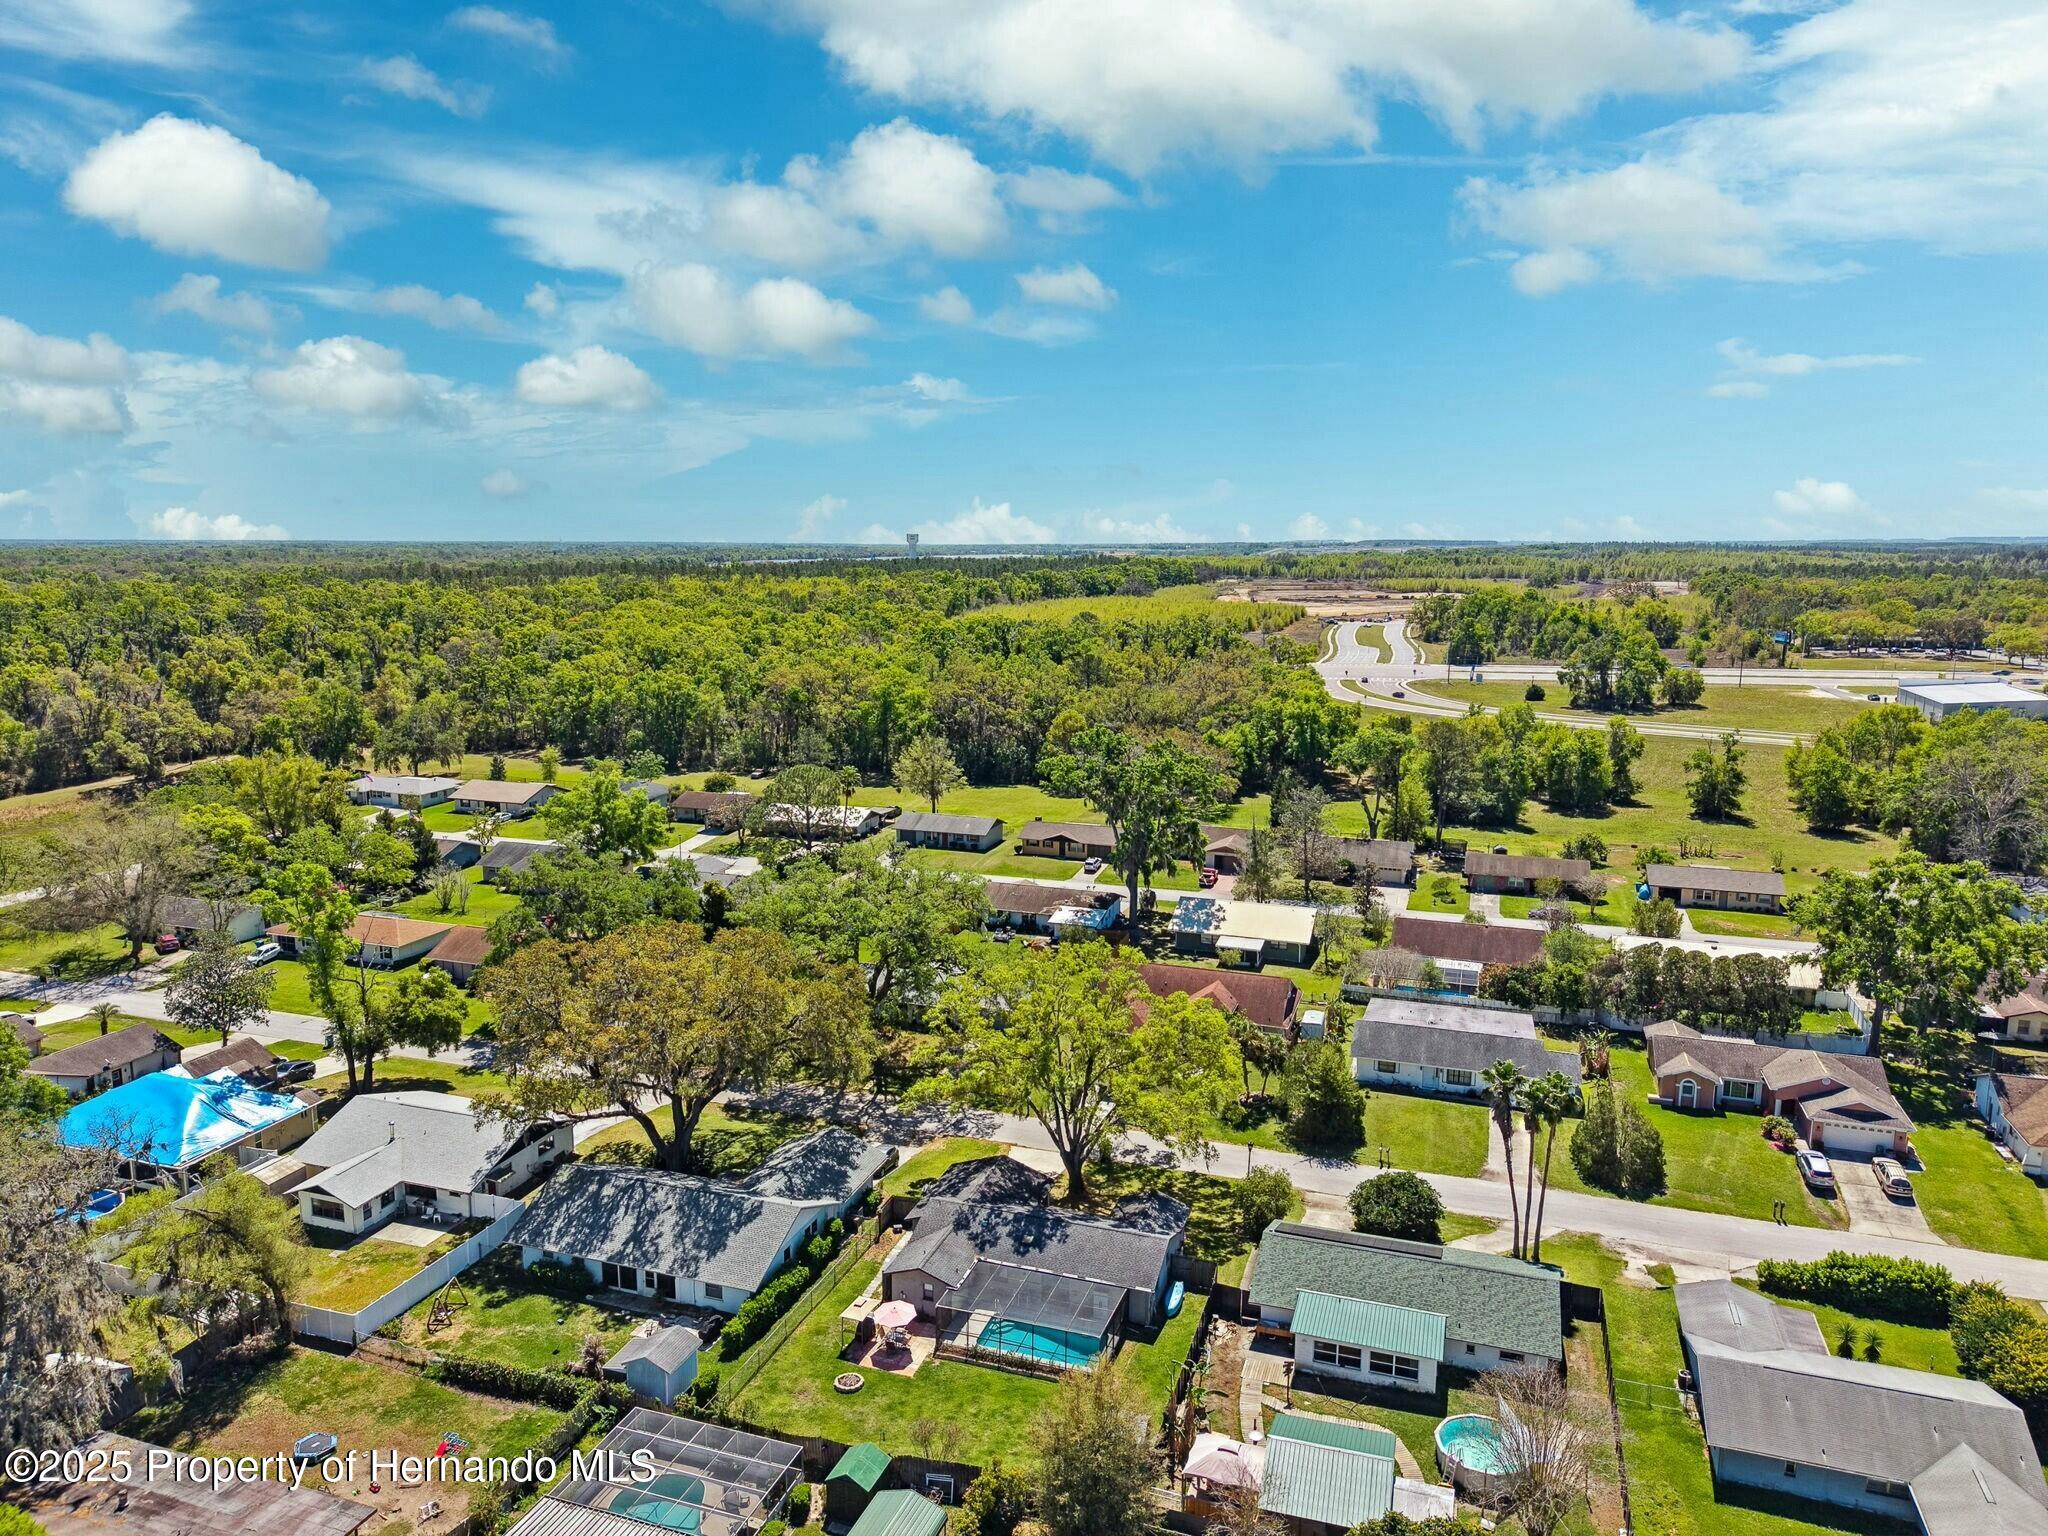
{"type": "Point", "coordinates": [895, 1314]}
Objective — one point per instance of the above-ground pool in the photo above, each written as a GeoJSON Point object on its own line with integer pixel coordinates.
{"type": "Point", "coordinates": [1029, 1341]}
{"type": "Point", "coordinates": [101, 1202]}
{"type": "Point", "coordinates": [1468, 1451]}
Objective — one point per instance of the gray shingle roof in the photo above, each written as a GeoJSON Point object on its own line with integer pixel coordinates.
{"type": "Point", "coordinates": [831, 1164]}
{"type": "Point", "coordinates": [1964, 1495]}
{"type": "Point", "coordinates": [1454, 1036]}
{"type": "Point", "coordinates": [1484, 1298]}
{"type": "Point", "coordinates": [689, 1227]}
{"type": "Point", "coordinates": [1128, 1249]}
{"type": "Point", "coordinates": [1474, 943]}
{"type": "Point", "coordinates": [1715, 877]}
{"type": "Point", "coordinates": [1519, 866]}
{"type": "Point", "coordinates": [101, 1053]}
{"type": "Point", "coordinates": [198, 913]}
{"type": "Point", "coordinates": [1091, 835]}
{"type": "Point", "coordinates": [439, 1140]}
{"type": "Point", "coordinates": [944, 824]}
{"type": "Point", "coordinates": [996, 1180]}
{"type": "Point", "coordinates": [1723, 1312]}
{"type": "Point", "coordinates": [508, 856]}
{"type": "Point", "coordinates": [665, 1348]}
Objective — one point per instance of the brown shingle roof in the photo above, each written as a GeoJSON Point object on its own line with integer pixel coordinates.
{"type": "Point", "coordinates": [1518, 866]}
{"type": "Point", "coordinates": [500, 792]}
{"type": "Point", "coordinates": [1849, 1089]}
{"type": "Point", "coordinates": [1088, 834]}
{"type": "Point", "coordinates": [2032, 998]}
{"type": "Point", "coordinates": [1474, 943]}
{"type": "Point", "coordinates": [1268, 1001]}
{"type": "Point", "coordinates": [241, 1056]}
{"type": "Point", "coordinates": [393, 932]}
{"type": "Point", "coordinates": [465, 944]}
{"type": "Point", "coordinates": [103, 1053]}
{"type": "Point", "coordinates": [2026, 1105]}
{"type": "Point", "coordinates": [709, 800]}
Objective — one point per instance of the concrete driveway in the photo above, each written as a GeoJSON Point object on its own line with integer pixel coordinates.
{"type": "Point", "coordinates": [1869, 1208]}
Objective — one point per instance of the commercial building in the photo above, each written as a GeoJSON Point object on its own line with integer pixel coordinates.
{"type": "Point", "coordinates": [1937, 701]}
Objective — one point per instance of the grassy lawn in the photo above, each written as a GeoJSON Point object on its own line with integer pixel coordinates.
{"type": "Point", "coordinates": [1660, 817]}
{"type": "Point", "coordinates": [349, 1273]}
{"type": "Point", "coordinates": [1014, 803]}
{"type": "Point", "coordinates": [291, 992]}
{"type": "Point", "coordinates": [1426, 1135]}
{"type": "Point", "coordinates": [69, 956]}
{"type": "Point", "coordinates": [1767, 707]}
{"type": "Point", "coordinates": [445, 818]}
{"type": "Point", "coordinates": [1917, 1349]}
{"type": "Point", "coordinates": [1617, 906]}
{"type": "Point", "coordinates": [57, 1037]}
{"type": "Point", "coordinates": [497, 1315]}
{"type": "Point", "coordinates": [1670, 1484]}
{"type": "Point", "coordinates": [1412, 1416]}
{"type": "Point", "coordinates": [727, 1141]}
{"type": "Point", "coordinates": [1711, 1162]}
{"type": "Point", "coordinates": [419, 1074]}
{"type": "Point", "coordinates": [1001, 860]}
{"type": "Point", "coordinates": [920, 1169]}
{"type": "Point", "coordinates": [1971, 1195]}
{"type": "Point", "coordinates": [486, 904]}
{"type": "Point", "coordinates": [261, 1410]}
{"type": "Point", "coordinates": [1440, 893]}
{"type": "Point", "coordinates": [1745, 925]}
{"type": "Point", "coordinates": [1456, 1225]}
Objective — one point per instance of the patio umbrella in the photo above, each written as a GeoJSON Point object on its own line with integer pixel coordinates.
{"type": "Point", "coordinates": [895, 1314]}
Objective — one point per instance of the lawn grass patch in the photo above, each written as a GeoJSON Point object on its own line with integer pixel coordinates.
{"type": "Point", "coordinates": [292, 991]}
{"type": "Point", "coordinates": [1453, 1226]}
{"type": "Point", "coordinates": [415, 1074]}
{"type": "Point", "coordinates": [1440, 893]}
{"type": "Point", "coordinates": [1744, 925]}
{"type": "Point", "coordinates": [497, 1314]}
{"type": "Point", "coordinates": [730, 1139]}
{"type": "Point", "coordinates": [1426, 1135]}
{"type": "Point", "coordinates": [1712, 1162]}
{"type": "Point", "coordinates": [58, 1037]}
{"type": "Point", "coordinates": [1723, 706]}
{"type": "Point", "coordinates": [915, 1172]}
{"type": "Point", "coordinates": [77, 956]}
{"type": "Point", "coordinates": [445, 819]}
{"type": "Point", "coordinates": [1001, 861]}
{"type": "Point", "coordinates": [351, 1272]}
{"type": "Point", "coordinates": [1970, 1194]}
{"type": "Point", "coordinates": [486, 904]}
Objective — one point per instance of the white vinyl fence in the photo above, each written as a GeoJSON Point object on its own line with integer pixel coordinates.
{"type": "Point", "coordinates": [351, 1328]}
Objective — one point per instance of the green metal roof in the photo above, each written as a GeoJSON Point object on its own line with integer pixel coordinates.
{"type": "Point", "coordinates": [1305, 1481]}
{"type": "Point", "coordinates": [899, 1512]}
{"type": "Point", "coordinates": [1484, 1298]}
{"type": "Point", "coordinates": [1370, 1324]}
{"type": "Point", "coordinates": [864, 1464]}
{"type": "Point", "coordinates": [1368, 1439]}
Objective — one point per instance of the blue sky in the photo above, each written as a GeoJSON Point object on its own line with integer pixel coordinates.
{"type": "Point", "coordinates": [1025, 270]}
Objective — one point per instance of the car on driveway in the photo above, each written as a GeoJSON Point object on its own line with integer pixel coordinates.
{"type": "Point", "coordinates": [1891, 1177]}
{"type": "Point", "coordinates": [1091, 867]}
{"type": "Point", "coordinates": [297, 1071]}
{"type": "Point", "coordinates": [1816, 1169]}
{"type": "Point", "coordinates": [263, 954]}
{"type": "Point", "coordinates": [1208, 877]}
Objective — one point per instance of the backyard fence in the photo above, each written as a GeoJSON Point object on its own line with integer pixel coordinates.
{"type": "Point", "coordinates": [351, 1328]}
{"type": "Point", "coordinates": [737, 1375]}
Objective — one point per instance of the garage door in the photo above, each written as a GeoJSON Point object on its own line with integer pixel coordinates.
{"type": "Point", "coordinates": [1848, 1138]}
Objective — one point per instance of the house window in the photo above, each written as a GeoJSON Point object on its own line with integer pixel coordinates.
{"type": "Point", "coordinates": [1471, 1349]}
{"type": "Point", "coordinates": [1885, 1490]}
{"type": "Point", "coordinates": [418, 1192]}
{"type": "Point", "coordinates": [1457, 1077]}
{"type": "Point", "coordinates": [1387, 1068]}
{"type": "Point", "coordinates": [328, 1210]}
{"type": "Point", "coordinates": [1345, 1357]}
{"type": "Point", "coordinates": [1511, 1357]}
{"type": "Point", "coordinates": [1791, 1469]}
{"type": "Point", "coordinates": [664, 1285]}
{"type": "Point", "coordinates": [930, 1290]}
{"type": "Point", "coordinates": [388, 1199]}
{"type": "Point", "coordinates": [1738, 1092]}
{"type": "Point", "coordinates": [713, 1292]}
{"type": "Point", "coordinates": [1400, 1367]}
{"type": "Point", "coordinates": [617, 1278]}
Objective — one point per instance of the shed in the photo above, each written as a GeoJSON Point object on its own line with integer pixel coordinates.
{"type": "Point", "coordinates": [854, 1479]}
{"type": "Point", "coordinates": [659, 1364]}
{"type": "Point", "coordinates": [899, 1512]}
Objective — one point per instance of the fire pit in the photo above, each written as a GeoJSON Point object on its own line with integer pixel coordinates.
{"type": "Point", "coordinates": [848, 1381]}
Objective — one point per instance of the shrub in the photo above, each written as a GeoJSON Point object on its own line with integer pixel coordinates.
{"type": "Point", "coordinates": [995, 1503]}
{"type": "Point", "coordinates": [800, 1503]}
{"type": "Point", "coordinates": [1872, 1285]}
{"type": "Point", "coordinates": [1778, 1128]}
{"type": "Point", "coordinates": [1534, 693]}
{"type": "Point", "coordinates": [1657, 919]}
{"type": "Point", "coordinates": [571, 1280]}
{"type": "Point", "coordinates": [1398, 1204]}
{"type": "Point", "coordinates": [1590, 846]}
{"type": "Point", "coordinates": [2002, 1342]}
{"type": "Point", "coordinates": [1326, 1106]}
{"type": "Point", "coordinates": [551, 1389]}
{"type": "Point", "coordinates": [1616, 1148]}
{"type": "Point", "coordinates": [1262, 1197]}
{"type": "Point", "coordinates": [759, 1311]}
{"type": "Point", "coordinates": [719, 783]}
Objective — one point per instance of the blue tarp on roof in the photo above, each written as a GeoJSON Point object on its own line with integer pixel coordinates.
{"type": "Point", "coordinates": [172, 1120]}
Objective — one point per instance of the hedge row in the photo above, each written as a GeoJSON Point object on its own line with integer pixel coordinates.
{"type": "Point", "coordinates": [757, 1314]}
{"type": "Point", "coordinates": [1904, 1290]}
{"type": "Point", "coordinates": [551, 1389]}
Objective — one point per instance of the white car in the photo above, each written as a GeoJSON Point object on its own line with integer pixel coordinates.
{"type": "Point", "coordinates": [1816, 1169]}
{"type": "Point", "coordinates": [263, 954]}
{"type": "Point", "coordinates": [1891, 1177]}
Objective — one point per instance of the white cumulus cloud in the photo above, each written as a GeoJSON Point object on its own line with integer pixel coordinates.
{"type": "Point", "coordinates": [1810, 497]}
{"type": "Point", "coordinates": [413, 301]}
{"type": "Point", "coordinates": [60, 385]}
{"type": "Point", "coordinates": [543, 301]}
{"type": "Point", "coordinates": [913, 186]}
{"type": "Point", "coordinates": [347, 376]}
{"type": "Point", "coordinates": [404, 75]}
{"type": "Point", "coordinates": [535, 35]}
{"type": "Point", "coordinates": [504, 484]}
{"type": "Point", "coordinates": [1748, 369]}
{"type": "Point", "coordinates": [184, 523]}
{"type": "Point", "coordinates": [949, 306]}
{"type": "Point", "coordinates": [696, 306]}
{"type": "Point", "coordinates": [1308, 526]}
{"type": "Point", "coordinates": [593, 376]}
{"type": "Point", "coordinates": [1074, 286]}
{"type": "Point", "coordinates": [979, 524]}
{"type": "Point", "coordinates": [197, 190]}
{"type": "Point", "coordinates": [1061, 199]}
{"type": "Point", "coordinates": [201, 295]}
{"type": "Point", "coordinates": [817, 514]}
{"type": "Point", "coordinates": [928, 387]}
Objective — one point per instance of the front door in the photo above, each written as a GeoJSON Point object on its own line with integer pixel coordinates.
{"type": "Point", "coordinates": [1688, 1093]}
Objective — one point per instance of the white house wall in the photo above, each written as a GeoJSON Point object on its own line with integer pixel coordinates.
{"type": "Point", "coordinates": [1414, 1077]}
{"type": "Point", "coordinates": [1826, 1485]}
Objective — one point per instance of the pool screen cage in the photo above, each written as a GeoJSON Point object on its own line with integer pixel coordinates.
{"type": "Point", "coordinates": [1040, 1309]}
{"type": "Point", "coordinates": [696, 1477]}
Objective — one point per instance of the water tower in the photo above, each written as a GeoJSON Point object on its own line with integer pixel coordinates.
{"type": "Point", "coordinates": [911, 540]}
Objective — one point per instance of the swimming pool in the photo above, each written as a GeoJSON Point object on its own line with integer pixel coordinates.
{"type": "Point", "coordinates": [1472, 1441]}
{"type": "Point", "coordinates": [1028, 1341]}
{"type": "Point", "coordinates": [668, 1501]}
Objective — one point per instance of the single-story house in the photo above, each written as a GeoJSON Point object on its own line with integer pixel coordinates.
{"type": "Point", "coordinates": [1838, 1101]}
{"type": "Point", "coordinates": [107, 1061]}
{"type": "Point", "coordinates": [166, 1124]}
{"type": "Point", "coordinates": [861, 1472]}
{"type": "Point", "coordinates": [696, 1241]}
{"type": "Point", "coordinates": [1377, 1309]}
{"type": "Point", "coordinates": [393, 790]}
{"type": "Point", "coordinates": [248, 1058]}
{"type": "Point", "coordinates": [2015, 1107]}
{"type": "Point", "coordinates": [658, 1363]}
{"type": "Point", "coordinates": [651, 790]}
{"type": "Point", "coordinates": [1035, 908]}
{"type": "Point", "coordinates": [1269, 1002]}
{"type": "Point", "coordinates": [1462, 951]}
{"type": "Point", "coordinates": [656, 1472]}
{"type": "Point", "coordinates": [1445, 1047]}
{"type": "Point", "coordinates": [456, 853]}
{"type": "Point", "coordinates": [1779, 1411]}
{"type": "Point", "coordinates": [1224, 849]}
{"type": "Point", "coordinates": [988, 1250]}
{"type": "Point", "coordinates": [719, 810]}
{"type": "Point", "coordinates": [384, 1153]}
{"type": "Point", "coordinates": [1715, 886]}
{"type": "Point", "coordinates": [385, 940]}
{"type": "Point", "coordinates": [512, 856]}
{"type": "Point", "coordinates": [1244, 933]}
{"type": "Point", "coordinates": [190, 916]}
{"type": "Point", "coordinates": [900, 1512]}
{"type": "Point", "coordinates": [2023, 1016]}
{"type": "Point", "coordinates": [932, 829]}
{"type": "Point", "coordinates": [1066, 840]}
{"type": "Point", "coordinates": [121, 1492]}
{"type": "Point", "coordinates": [496, 797]}
{"type": "Point", "coordinates": [717, 869]}
{"type": "Point", "coordinates": [1391, 860]}
{"type": "Point", "coordinates": [461, 950]}
{"type": "Point", "coordinates": [824, 823]}
{"type": "Point", "coordinates": [1514, 874]}
{"type": "Point", "coordinates": [26, 1030]}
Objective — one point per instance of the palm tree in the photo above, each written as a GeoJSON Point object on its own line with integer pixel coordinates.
{"type": "Point", "coordinates": [1550, 1099]}
{"type": "Point", "coordinates": [105, 1014]}
{"type": "Point", "coordinates": [1504, 1083]}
